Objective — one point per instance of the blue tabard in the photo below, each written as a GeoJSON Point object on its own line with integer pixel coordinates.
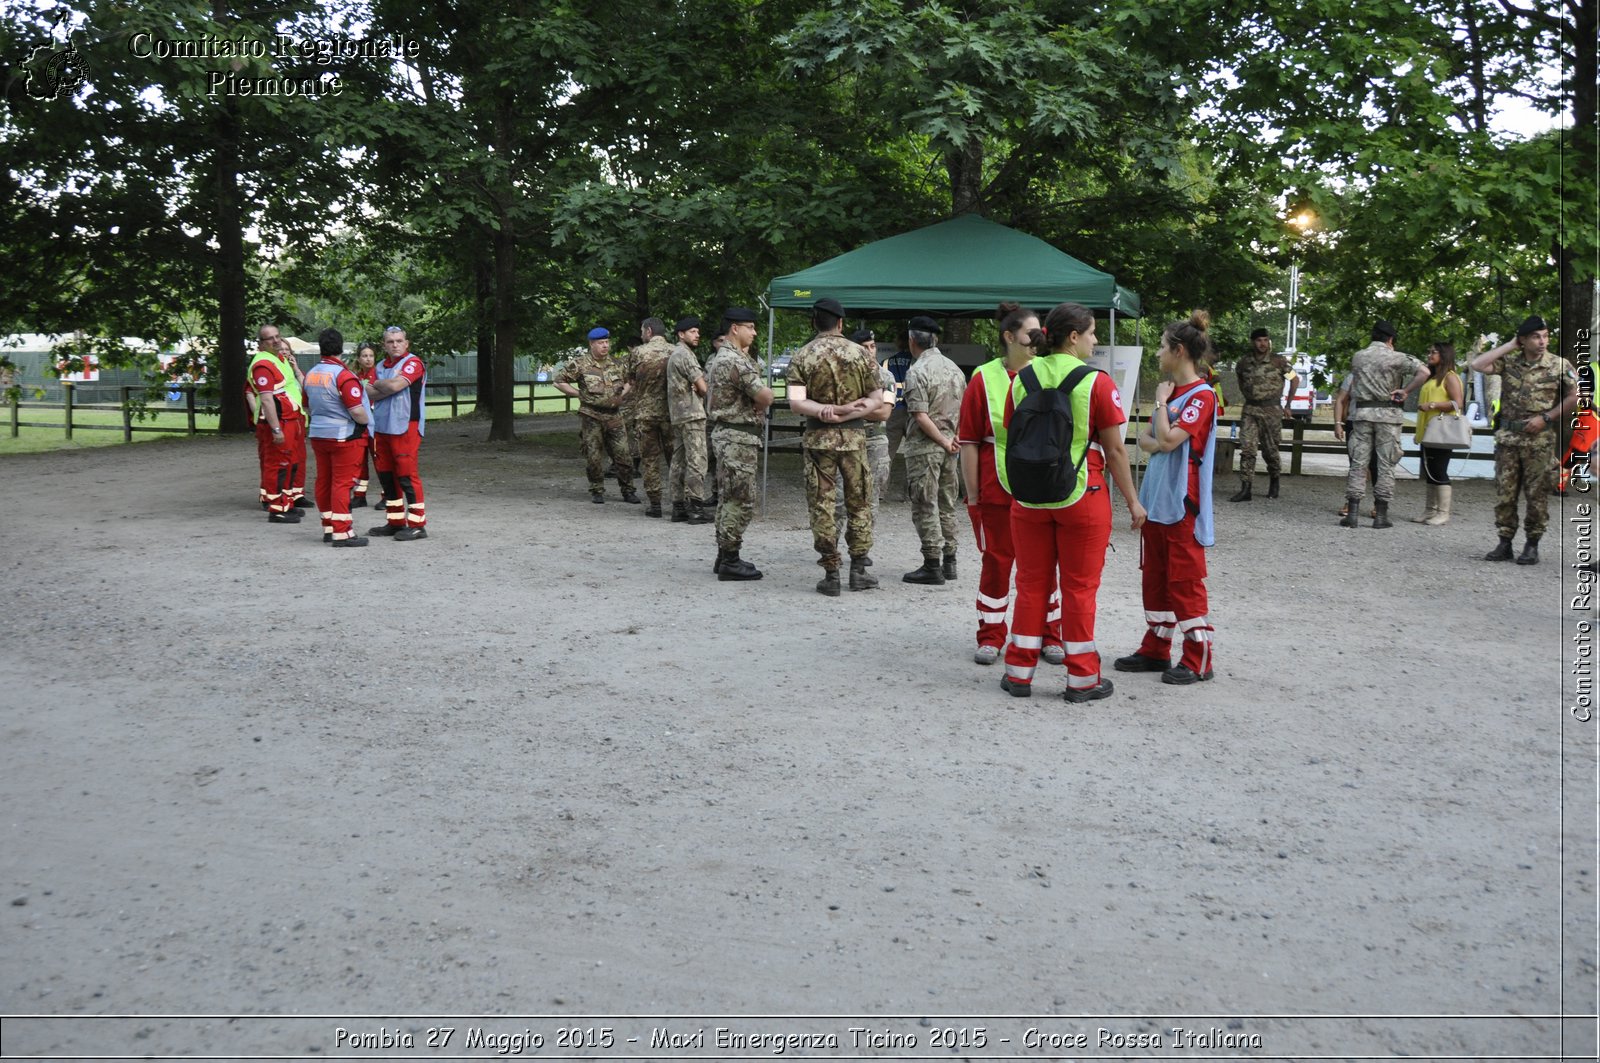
{"type": "Point", "coordinates": [396, 412]}
{"type": "Point", "coordinates": [330, 418]}
{"type": "Point", "coordinates": [1166, 477]}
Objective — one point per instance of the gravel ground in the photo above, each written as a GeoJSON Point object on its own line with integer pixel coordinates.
{"type": "Point", "coordinates": [544, 765]}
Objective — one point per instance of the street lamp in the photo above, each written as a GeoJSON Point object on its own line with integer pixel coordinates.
{"type": "Point", "coordinates": [1301, 221]}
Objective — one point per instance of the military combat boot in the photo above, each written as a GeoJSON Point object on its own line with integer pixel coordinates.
{"type": "Point", "coordinates": [931, 573]}
{"type": "Point", "coordinates": [1380, 515]}
{"type": "Point", "coordinates": [860, 578]}
{"type": "Point", "coordinates": [829, 583]}
{"type": "Point", "coordinates": [630, 495]}
{"type": "Point", "coordinates": [1500, 553]}
{"type": "Point", "coordinates": [949, 566]}
{"type": "Point", "coordinates": [654, 508]}
{"type": "Point", "coordinates": [680, 512]}
{"type": "Point", "coordinates": [1244, 490]}
{"type": "Point", "coordinates": [716, 566]}
{"type": "Point", "coordinates": [1352, 507]}
{"type": "Point", "coordinates": [1530, 551]}
{"type": "Point", "coordinates": [1272, 487]}
{"type": "Point", "coordinates": [698, 514]}
{"type": "Point", "coordinates": [735, 567]}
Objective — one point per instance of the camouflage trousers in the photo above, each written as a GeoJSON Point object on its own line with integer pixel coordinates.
{"type": "Point", "coordinates": [1369, 439]}
{"type": "Point", "coordinates": [824, 469]}
{"type": "Point", "coordinates": [1526, 469]}
{"type": "Point", "coordinates": [655, 448]}
{"type": "Point", "coordinates": [931, 480]}
{"type": "Point", "coordinates": [602, 439]}
{"type": "Point", "coordinates": [688, 462]}
{"type": "Point", "coordinates": [878, 463]}
{"type": "Point", "coordinates": [738, 456]}
{"type": "Point", "coordinates": [1260, 427]}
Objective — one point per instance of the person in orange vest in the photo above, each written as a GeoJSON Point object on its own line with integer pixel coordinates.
{"type": "Point", "coordinates": [336, 404]}
{"type": "Point", "coordinates": [1066, 532]}
{"type": "Point", "coordinates": [277, 401]}
{"type": "Point", "coordinates": [982, 434]}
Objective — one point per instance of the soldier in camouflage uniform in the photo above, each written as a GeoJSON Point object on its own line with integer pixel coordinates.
{"type": "Point", "coordinates": [1377, 373]}
{"type": "Point", "coordinates": [739, 399]}
{"type": "Point", "coordinates": [647, 376]}
{"type": "Point", "coordinates": [1538, 390]}
{"type": "Point", "coordinates": [877, 436]}
{"type": "Point", "coordinates": [1261, 377]}
{"type": "Point", "coordinates": [833, 385]}
{"type": "Point", "coordinates": [686, 389]}
{"type": "Point", "coordinates": [934, 386]}
{"type": "Point", "coordinates": [598, 381]}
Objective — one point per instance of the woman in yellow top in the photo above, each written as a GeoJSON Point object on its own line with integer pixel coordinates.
{"type": "Point", "coordinates": [1441, 394]}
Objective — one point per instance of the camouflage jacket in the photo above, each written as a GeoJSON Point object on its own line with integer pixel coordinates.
{"type": "Point", "coordinates": [834, 371]}
{"type": "Point", "coordinates": [1375, 371]}
{"type": "Point", "coordinates": [1261, 378]}
{"type": "Point", "coordinates": [599, 382]}
{"type": "Point", "coordinates": [734, 380]}
{"type": "Point", "coordinates": [886, 381]}
{"type": "Point", "coordinates": [683, 369]}
{"type": "Point", "coordinates": [934, 386]}
{"type": "Point", "coordinates": [647, 371]}
{"type": "Point", "coordinates": [1528, 388]}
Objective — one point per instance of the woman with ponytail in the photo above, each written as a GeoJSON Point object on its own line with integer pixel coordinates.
{"type": "Point", "coordinates": [1066, 534]}
{"type": "Point", "coordinates": [1176, 491]}
{"type": "Point", "coordinates": [982, 435]}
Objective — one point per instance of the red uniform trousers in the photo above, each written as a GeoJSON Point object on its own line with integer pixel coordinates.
{"type": "Point", "coordinates": [992, 526]}
{"type": "Point", "coordinates": [402, 483]}
{"type": "Point", "coordinates": [338, 462]}
{"type": "Point", "coordinates": [1174, 574]}
{"type": "Point", "coordinates": [297, 485]}
{"type": "Point", "coordinates": [278, 463]}
{"type": "Point", "coordinates": [1070, 542]}
{"type": "Point", "coordinates": [368, 454]}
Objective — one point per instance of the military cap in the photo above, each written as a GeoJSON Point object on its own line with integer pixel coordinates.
{"type": "Point", "coordinates": [1260, 334]}
{"type": "Point", "coordinates": [924, 323]}
{"type": "Point", "coordinates": [829, 306]}
{"type": "Point", "coordinates": [686, 323]}
{"type": "Point", "coordinates": [599, 332]}
{"type": "Point", "coordinates": [738, 313]}
{"type": "Point", "coordinates": [1383, 330]}
{"type": "Point", "coordinates": [1534, 323]}
{"type": "Point", "coordinates": [862, 335]}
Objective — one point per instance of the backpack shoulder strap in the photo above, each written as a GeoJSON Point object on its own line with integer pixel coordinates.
{"type": "Point", "coordinates": [1071, 383]}
{"type": "Point", "coordinates": [1029, 378]}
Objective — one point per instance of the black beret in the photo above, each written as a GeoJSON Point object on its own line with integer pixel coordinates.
{"type": "Point", "coordinates": [1533, 324]}
{"type": "Point", "coordinates": [738, 313]}
{"type": "Point", "coordinates": [1260, 334]}
{"type": "Point", "coordinates": [924, 323]}
{"type": "Point", "coordinates": [862, 335]}
{"type": "Point", "coordinates": [1383, 330]}
{"type": "Point", "coordinates": [829, 306]}
{"type": "Point", "coordinates": [686, 323]}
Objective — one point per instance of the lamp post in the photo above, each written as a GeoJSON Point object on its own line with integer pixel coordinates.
{"type": "Point", "coordinates": [1301, 221]}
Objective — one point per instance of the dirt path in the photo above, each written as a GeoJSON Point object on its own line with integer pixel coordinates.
{"type": "Point", "coordinates": [544, 764]}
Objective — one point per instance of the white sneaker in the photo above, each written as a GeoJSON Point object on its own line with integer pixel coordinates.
{"type": "Point", "coordinates": [987, 654]}
{"type": "Point", "coordinates": [1053, 654]}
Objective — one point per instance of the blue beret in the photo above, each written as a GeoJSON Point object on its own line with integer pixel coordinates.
{"type": "Point", "coordinates": [599, 333]}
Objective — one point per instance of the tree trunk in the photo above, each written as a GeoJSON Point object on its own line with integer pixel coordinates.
{"type": "Point", "coordinates": [229, 273]}
{"type": "Point", "coordinates": [965, 167]}
{"type": "Point", "coordinates": [503, 424]}
{"type": "Point", "coordinates": [1578, 274]}
{"type": "Point", "coordinates": [484, 313]}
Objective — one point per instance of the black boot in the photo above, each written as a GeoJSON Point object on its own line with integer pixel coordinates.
{"type": "Point", "coordinates": [597, 498]}
{"type": "Point", "coordinates": [654, 508]}
{"type": "Point", "coordinates": [698, 513]}
{"type": "Point", "coordinates": [1272, 487]}
{"type": "Point", "coordinates": [931, 573]}
{"type": "Point", "coordinates": [1530, 551]}
{"type": "Point", "coordinates": [1380, 517]}
{"type": "Point", "coordinates": [716, 566]}
{"type": "Point", "coordinates": [829, 583]}
{"type": "Point", "coordinates": [1500, 553]}
{"type": "Point", "coordinates": [949, 566]}
{"type": "Point", "coordinates": [860, 578]}
{"type": "Point", "coordinates": [735, 567]}
{"type": "Point", "coordinates": [680, 512]}
{"type": "Point", "coordinates": [1352, 507]}
{"type": "Point", "coordinates": [1245, 484]}
{"type": "Point", "coordinates": [630, 495]}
